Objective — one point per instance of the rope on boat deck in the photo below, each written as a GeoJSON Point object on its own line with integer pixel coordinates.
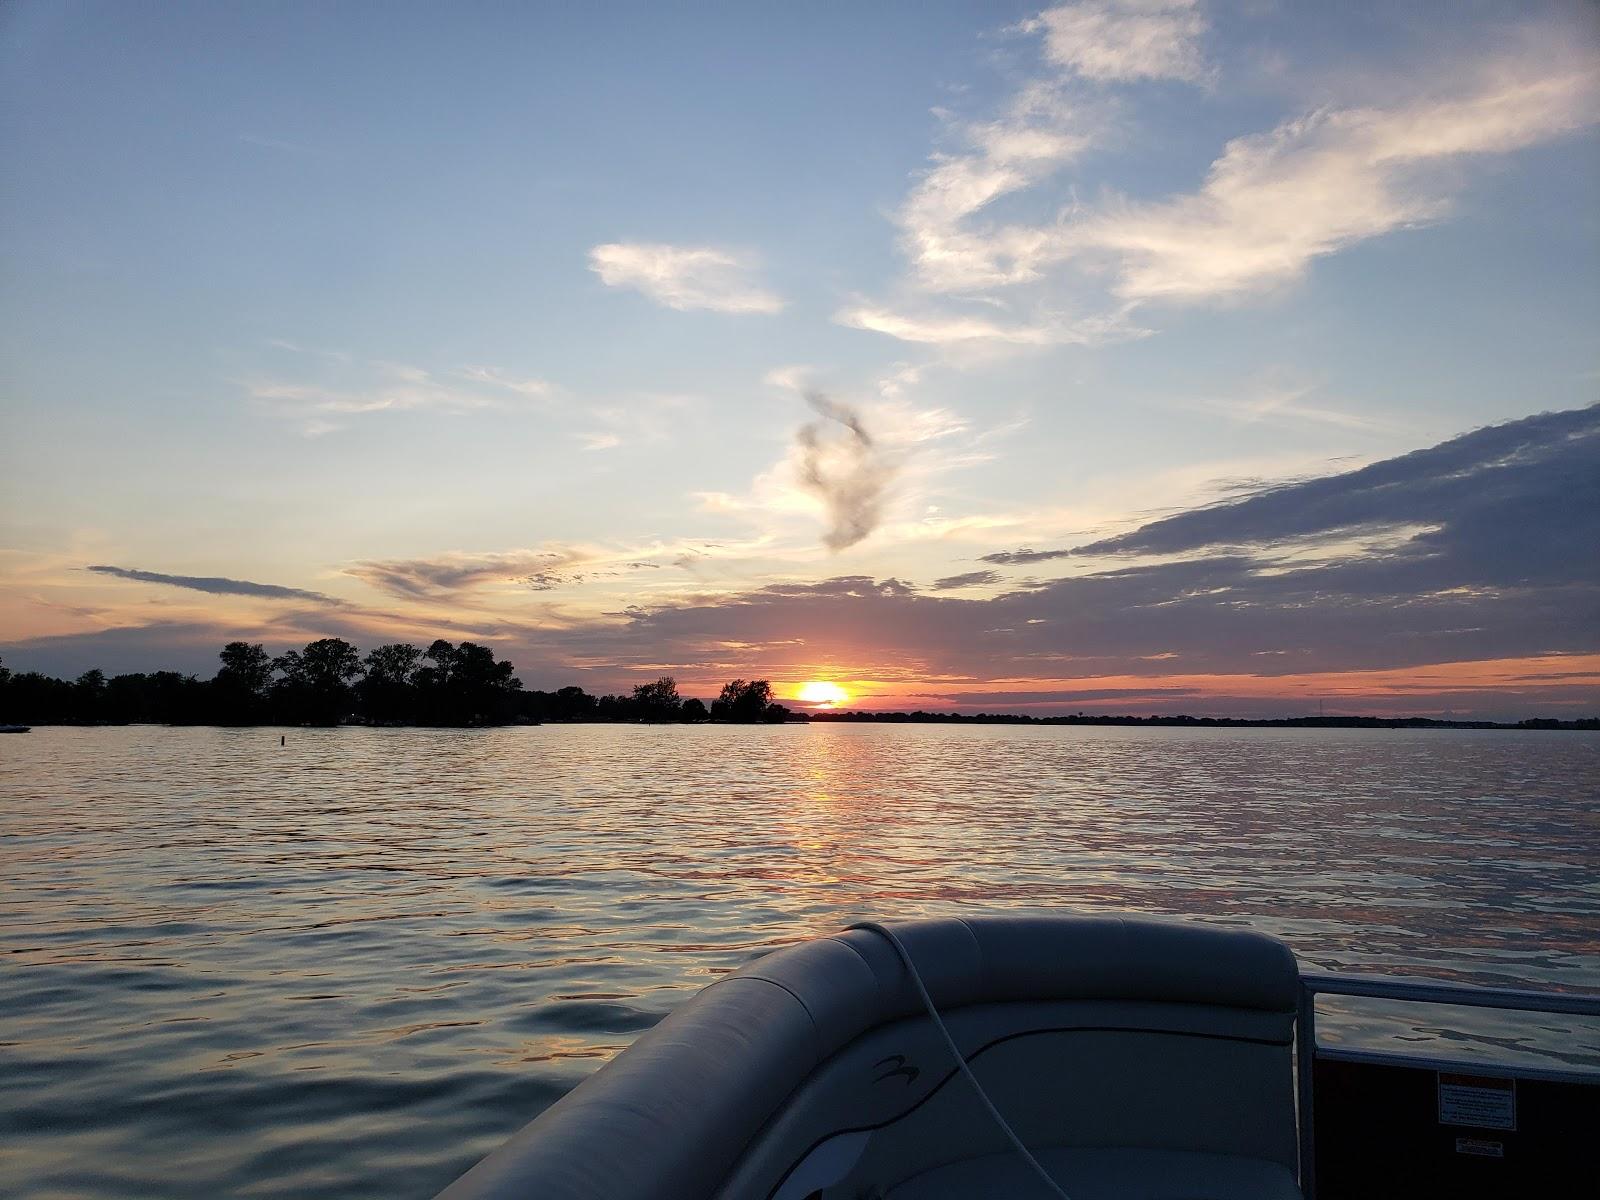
{"type": "Point", "coordinates": [889, 936]}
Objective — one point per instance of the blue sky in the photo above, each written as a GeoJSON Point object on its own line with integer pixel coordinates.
{"type": "Point", "coordinates": [454, 317]}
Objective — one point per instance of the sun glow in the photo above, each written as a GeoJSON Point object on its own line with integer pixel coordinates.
{"type": "Point", "coordinates": [820, 691]}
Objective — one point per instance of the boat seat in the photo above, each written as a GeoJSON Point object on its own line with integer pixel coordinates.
{"type": "Point", "coordinates": [816, 1068]}
{"type": "Point", "coordinates": [1105, 1173]}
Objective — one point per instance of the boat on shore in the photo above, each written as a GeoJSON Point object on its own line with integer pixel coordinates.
{"type": "Point", "coordinates": [1023, 1056]}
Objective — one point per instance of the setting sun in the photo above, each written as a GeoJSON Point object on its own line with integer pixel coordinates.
{"type": "Point", "coordinates": [820, 691]}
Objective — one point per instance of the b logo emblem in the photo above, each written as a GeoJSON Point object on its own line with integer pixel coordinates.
{"type": "Point", "coordinates": [897, 1066]}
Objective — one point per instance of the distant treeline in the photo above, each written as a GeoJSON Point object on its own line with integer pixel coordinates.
{"type": "Point", "coordinates": [330, 683]}
{"type": "Point", "coordinates": [935, 718]}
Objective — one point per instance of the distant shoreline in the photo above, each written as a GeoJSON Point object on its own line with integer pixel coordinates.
{"type": "Point", "coordinates": [1184, 721]}
{"type": "Point", "coordinates": [853, 717]}
{"type": "Point", "coordinates": [446, 686]}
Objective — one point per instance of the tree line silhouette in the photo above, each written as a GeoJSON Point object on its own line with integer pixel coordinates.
{"type": "Point", "coordinates": [329, 682]}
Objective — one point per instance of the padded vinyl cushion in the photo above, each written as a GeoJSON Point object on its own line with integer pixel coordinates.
{"type": "Point", "coordinates": [1106, 1174]}
{"type": "Point", "coordinates": [670, 1115]}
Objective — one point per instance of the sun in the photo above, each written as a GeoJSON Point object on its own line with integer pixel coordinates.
{"type": "Point", "coordinates": [820, 691]}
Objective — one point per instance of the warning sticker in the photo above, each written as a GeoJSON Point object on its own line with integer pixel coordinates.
{"type": "Point", "coordinates": [1481, 1101]}
{"type": "Point", "coordinates": [1480, 1147]}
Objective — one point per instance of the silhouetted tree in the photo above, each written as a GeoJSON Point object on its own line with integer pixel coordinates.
{"type": "Point", "coordinates": [743, 702]}
{"type": "Point", "coordinates": [485, 688]}
{"type": "Point", "coordinates": [89, 696]}
{"type": "Point", "coordinates": [573, 704]}
{"type": "Point", "coordinates": [314, 684]}
{"type": "Point", "coordinates": [163, 697]}
{"type": "Point", "coordinates": [657, 701]}
{"type": "Point", "coordinates": [567, 704]}
{"type": "Point", "coordinates": [464, 685]}
{"type": "Point", "coordinates": [40, 700]}
{"type": "Point", "coordinates": [616, 708]}
{"type": "Point", "coordinates": [386, 691]}
{"type": "Point", "coordinates": [240, 686]}
{"type": "Point", "coordinates": [693, 710]}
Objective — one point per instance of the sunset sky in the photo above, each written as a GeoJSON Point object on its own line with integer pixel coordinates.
{"type": "Point", "coordinates": [1131, 355]}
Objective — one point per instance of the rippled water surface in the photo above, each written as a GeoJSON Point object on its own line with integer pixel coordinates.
{"type": "Point", "coordinates": [352, 964]}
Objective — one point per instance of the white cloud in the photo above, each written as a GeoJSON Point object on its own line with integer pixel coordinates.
{"type": "Point", "coordinates": [718, 502]}
{"type": "Point", "coordinates": [684, 277]}
{"type": "Point", "coordinates": [901, 376]}
{"type": "Point", "coordinates": [1270, 204]}
{"type": "Point", "coordinates": [855, 465]}
{"type": "Point", "coordinates": [954, 329]}
{"type": "Point", "coordinates": [642, 417]}
{"type": "Point", "coordinates": [1037, 135]}
{"type": "Point", "coordinates": [1313, 186]}
{"type": "Point", "coordinates": [532, 388]}
{"type": "Point", "coordinates": [1113, 41]}
{"type": "Point", "coordinates": [404, 396]}
{"type": "Point", "coordinates": [936, 328]}
{"type": "Point", "coordinates": [1284, 402]}
{"type": "Point", "coordinates": [790, 378]}
{"type": "Point", "coordinates": [347, 387]}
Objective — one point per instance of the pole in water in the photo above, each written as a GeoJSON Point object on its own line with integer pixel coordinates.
{"type": "Point", "coordinates": [283, 739]}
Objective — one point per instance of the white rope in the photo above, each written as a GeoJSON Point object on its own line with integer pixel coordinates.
{"type": "Point", "coordinates": [961, 1059]}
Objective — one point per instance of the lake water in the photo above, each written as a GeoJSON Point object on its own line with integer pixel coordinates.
{"type": "Point", "coordinates": [352, 964]}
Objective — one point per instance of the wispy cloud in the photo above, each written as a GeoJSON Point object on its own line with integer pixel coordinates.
{"type": "Point", "coordinates": [1269, 206]}
{"type": "Point", "coordinates": [1024, 557]}
{"type": "Point", "coordinates": [846, 470]}
{"type": "Point", "coordinates": [1480, 504]}
{"type": "Point", "coordinates": [934, 328]}
{"type": "Point", "coordinates": [789, 378]}
{"type": "Point", "coordinates": [1117, 41]}
{"type": "Point", "coordinates": [1278, 402]}
{"type": "Point", "coordinates": [862, 465]}
{"type": "Point", "coordinates": [346, 387]}
{"type": "Point", "coordinates": [684, 277]}
{"type": "Point", "coordinates": [1462, 570]}
{"type": "Point", "coordinates": [216, 585]}
{"type": "Point", "coordinates": [534, 388]}
{"type": "Point", "coordinates": [1040, 132]}
{"type": "Point", "coordinates": [447, 575]}
{"type": "Point", "coordinates": [1484, 574]}
{"type": "Point", "coordinates": [1274, 202]}
{"type": "Point", "coordinates": [966, 580]}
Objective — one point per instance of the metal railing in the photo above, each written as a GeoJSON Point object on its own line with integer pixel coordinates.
{"type": "Point", "coordinates": [1420, 991]}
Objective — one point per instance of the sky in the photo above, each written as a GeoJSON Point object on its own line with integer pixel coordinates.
{"type": "Point", "coordinates": [1140, 356]}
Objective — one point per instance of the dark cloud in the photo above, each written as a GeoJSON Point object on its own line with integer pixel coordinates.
{"type": "Point", "coordinates": [1011, 558]}
{"type": "Point", "coordinates": [848, 472]}
{"type": "Point", "coordinates": [1481, 548]}
{"type": "Point", "coordinates": [970, 579]}
{"type": "Point", "coordinates": [842, 585]}
{"type": "Point", "coordinates": [1488, 552]}
{"type": "Point", "coordinates": [216, 585]}
{"type": "Point", "coordinates": [448, 574]}
{"type": "Point", "coordinates": [1508, 505]}
{"type": "Point", "coordinates": [1513, 498]}
{"type": "Point", "coordinates": [972, 701]}
{"type": "Point", "coordinates": [186, 647]}
{"type": "Point", "coordinates": [1209, 615]}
